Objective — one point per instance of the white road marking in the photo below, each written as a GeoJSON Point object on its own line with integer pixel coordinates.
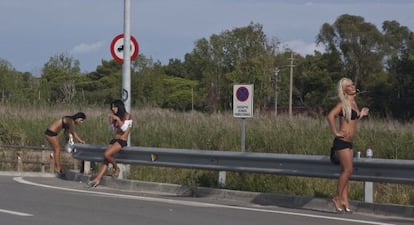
{"type": "Point", "coordinates": [199, 204]}
{"type": "Point", "coordinates": [14, 213]}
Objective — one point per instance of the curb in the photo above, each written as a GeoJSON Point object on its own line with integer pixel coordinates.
{"type": "Point", "coordinates": [263, 199]}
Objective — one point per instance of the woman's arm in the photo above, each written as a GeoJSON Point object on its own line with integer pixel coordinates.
{"type": "Point", "coordinates": [331, 119]}
{"type": "Point", "coordinates": [73, 132]}
{"type": "Point", "coordinates": [115, 120]}
{"type": "Point", "coordinates": [76, 137]}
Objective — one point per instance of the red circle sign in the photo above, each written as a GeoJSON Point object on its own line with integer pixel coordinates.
{"type": "Point", "coordinates": [242, 94]}
{"type": "Point", "coordinates": [117, 48]}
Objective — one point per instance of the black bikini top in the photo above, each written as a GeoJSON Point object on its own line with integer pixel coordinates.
{"type": "Point", "coordinates": [64, 125]}
{"type": "Point", "coordinates": [354, 115]}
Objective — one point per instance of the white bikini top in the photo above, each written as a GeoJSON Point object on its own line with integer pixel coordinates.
{"type": "Point", "coordinates": [126, 125]}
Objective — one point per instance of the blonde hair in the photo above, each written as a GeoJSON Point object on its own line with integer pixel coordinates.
{"type": "Point", "coordinates": [346, 105]}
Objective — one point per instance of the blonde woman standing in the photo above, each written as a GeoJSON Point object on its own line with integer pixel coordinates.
{"type": "Point", "coordinates": [348, 113]}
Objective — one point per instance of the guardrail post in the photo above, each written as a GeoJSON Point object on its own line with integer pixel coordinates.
{"type": "Point", "coordinates": [51, 163]}
{"type": "Point", "coordinates": [368, 185]}
{"type": "Point", "coordinates": [222, 179]}
{"type": "Point", "coordinates": [86, 167]}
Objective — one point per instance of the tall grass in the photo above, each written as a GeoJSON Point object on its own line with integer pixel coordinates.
{"type": "Point", "coordinates": [220, 131]}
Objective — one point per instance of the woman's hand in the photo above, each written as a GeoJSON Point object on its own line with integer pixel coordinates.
{"type": "Point", "coordinates": [342, 134]}
{"type": "Point", "coordinates": [339, 135]}
{"type": "Point", "coordinates": [364, 112]}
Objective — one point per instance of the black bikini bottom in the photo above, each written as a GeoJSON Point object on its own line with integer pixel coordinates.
{"type": "Point", "coordinates": [50, 133]}
{"type": "Point", "coordinates": [339, 144]}
{"type": "Point", "coordinates": [123, 143]}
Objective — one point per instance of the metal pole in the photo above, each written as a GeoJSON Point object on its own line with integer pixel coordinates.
{"type": "Point", "coordinates": [291, 85]}
{"type": "Point", "coordinates": [276, 77]}
{"type": "Point", "coordinates": [126, 72]}
{"type": "Point", "coordinates": [243, 134]}
{"type": "Point", "coordinates": [126, 66]}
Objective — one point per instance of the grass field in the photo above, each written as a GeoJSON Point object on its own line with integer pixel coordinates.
{"type": "Point", "coordinates": [220, 131]}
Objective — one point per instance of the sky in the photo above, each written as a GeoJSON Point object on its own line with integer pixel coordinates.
{"type": "Point", "coordinates": [33, 31]}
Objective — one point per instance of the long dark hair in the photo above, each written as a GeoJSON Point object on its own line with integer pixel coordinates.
{"type": "Point", "coordinates": [77, 116]}
{"type": "Point", "coordinates": [121, 108]}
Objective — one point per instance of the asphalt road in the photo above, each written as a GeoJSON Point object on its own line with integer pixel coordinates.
{"type": "Point", "coordinates": [49, 200]}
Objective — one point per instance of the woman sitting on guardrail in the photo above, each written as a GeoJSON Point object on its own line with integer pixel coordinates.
{"type": "Point", "coordinates": [67, 123]}
{"type": "Point", "coordinates": [348, 112]}
{"type": "Point", "coordinates": [121, 124]}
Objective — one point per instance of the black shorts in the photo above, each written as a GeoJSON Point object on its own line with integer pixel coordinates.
{"type": "Point", "coordinates": [339, 144]}
{"type": "Point", "coordinates": [50, 133]}
{"type": "Point", "coordinates": [121, 142]}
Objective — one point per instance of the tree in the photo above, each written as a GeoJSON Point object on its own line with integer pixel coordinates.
{"type": "Point", "coordinates": [400, 65]}
{"type": "Point", "coordinates": [314, 80]}
{"type": "Point", "coordinates": [179, 93]}
{"type": "Point", "coordinates": [146, 82]}
{"type": "Point", "coordinates": [359, 45]}
{"type": "Point", "coordinates": [59, 78]}
{"type": "Point", "coordinates": [16, 87]}
{"type": "Point", "coordinates": [241, 55]}
{"type": "Point", "coordinates": [102, 85]}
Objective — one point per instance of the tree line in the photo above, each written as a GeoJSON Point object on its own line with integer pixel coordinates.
{"type": "Point", "coordinates": [381, 63]}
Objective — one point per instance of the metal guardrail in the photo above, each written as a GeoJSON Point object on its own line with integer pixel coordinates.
{"type": "Point", "coordinates": [32, 158]}
{"type": "Point", "coordinates": [377, 170]}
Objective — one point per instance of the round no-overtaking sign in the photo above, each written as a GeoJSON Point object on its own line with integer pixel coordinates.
{"type": "Point", "coordinates": [117, 48]}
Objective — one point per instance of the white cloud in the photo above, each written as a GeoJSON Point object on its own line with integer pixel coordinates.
{"type": "Point", "coordinates": [84, 48]}
{"type": "Point", "coordinates": [302, 47]}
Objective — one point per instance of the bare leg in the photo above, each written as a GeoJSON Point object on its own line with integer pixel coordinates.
{"type": "Point", "coordinates": [54, 143]}
{"type": "Point", "coordinates": [345, 158]}
{"type": "Point", "coordinates": [108, 155]}
{"type": "Point", "coordinates": [102, 171]}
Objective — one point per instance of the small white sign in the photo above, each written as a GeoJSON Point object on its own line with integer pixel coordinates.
{"type": "Point", "coordinates": [243, 101]}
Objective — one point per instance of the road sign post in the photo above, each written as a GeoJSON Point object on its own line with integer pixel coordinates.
{"type": "Point", "coordinates": [242, 108]}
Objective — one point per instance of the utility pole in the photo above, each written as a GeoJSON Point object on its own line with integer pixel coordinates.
{"type": "Point", "coordinates": [276, 79]}
{"type": "Point", "coordinates": [126, 74]}
{"type": "Point", "coordinates": [291, 85]}
{"type": "Point", "coordinates": [126, 65]}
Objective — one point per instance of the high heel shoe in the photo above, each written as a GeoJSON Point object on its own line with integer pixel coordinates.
{"type": "Point", "coordinates": [93, 183]}
{"type": "Point", "coordinates": [60, 174]}
{"type": "Point", "coordinates": [337, 208]}
{"type": "Point", "coordinates": [346, 208]}
{"type": "Point", "coordinates": [116, 173]}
